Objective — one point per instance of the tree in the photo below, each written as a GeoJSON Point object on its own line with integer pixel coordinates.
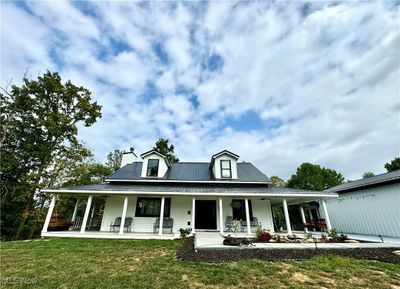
{"type": "Point", "coordinates": [393, 165]}
{"type": "Point", "coordinates": [313, 177]}
{"type": "Point", "coordinates": [368, 174]}
{"type": "Point", "coordinates": [277, 182]}
{"type": "Point", "coordinates": [38, 126]}
{"type": "Point", "coordinates": [114, 159]}
{"type": "Point", "coordinates": [167, 150]}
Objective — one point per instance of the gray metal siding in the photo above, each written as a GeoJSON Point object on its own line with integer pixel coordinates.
{"type": "Point", "coordinates": [372, 211]}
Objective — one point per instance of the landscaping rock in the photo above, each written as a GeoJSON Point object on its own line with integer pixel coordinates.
{"type": "Point", "coordinates": [397, 252]}
{"type": "Point", "coordinates": [351, 241]}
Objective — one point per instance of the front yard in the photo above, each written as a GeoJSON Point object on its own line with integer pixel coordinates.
{"type": "Point", "coordinates": [89, 263]}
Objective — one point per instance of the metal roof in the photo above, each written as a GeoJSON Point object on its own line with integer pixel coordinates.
{"type": "Point", "coordinates": [190, 171]}
{"type": "Point", "coordinates": [391, 177]}
{"type": "Point", "coordinates": [188, 188]}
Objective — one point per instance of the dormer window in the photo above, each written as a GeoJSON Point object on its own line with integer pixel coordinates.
{"type": "Point", "coordinates": [152, 167]}
{"type": "Point", "coordinates": [226, 171]}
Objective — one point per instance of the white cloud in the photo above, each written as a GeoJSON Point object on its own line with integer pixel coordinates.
{"type": "Point", "coordinates": [328, 73]}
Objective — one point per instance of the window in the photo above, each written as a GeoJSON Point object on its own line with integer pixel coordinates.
{"type": "Point", "coordinates": [152, 168]}
{"type": "Point", "coordinates": [239, 212]}
{"type": "Point", "coordinates": [151, 207]}
{"type": "Point", "coordinates": [226, 169]}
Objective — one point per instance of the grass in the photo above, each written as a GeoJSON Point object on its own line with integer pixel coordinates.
{"type": "Point", "coordinates": [90, 263]}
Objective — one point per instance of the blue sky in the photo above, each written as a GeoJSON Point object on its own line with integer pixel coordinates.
{"type": "Point", "coordinates": [277, 83]}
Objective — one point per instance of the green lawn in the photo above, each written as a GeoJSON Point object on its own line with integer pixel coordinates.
{"type": "Point", "coordinates": [86, 263]}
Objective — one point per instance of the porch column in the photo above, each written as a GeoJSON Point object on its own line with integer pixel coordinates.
{"type": "Point", "coordinates": [310, 214]}
{"type": "Point", "coordinates": [49, 213]}
{"type": "Point", "coordinates": [193, 213]}
{"type": "Point", "coordinates": [286, 212]}
{"type": "Point", "coordinates": [124, 209]}
{"type": "Point", "coordinates": [303, 218]}
{"type": "Point", "coordinates": [161, 216]}
{"type": "Point", "coordinates": [86, 216]}
{"type": "Point", "coordinates": [246, 204]}
{"type": "Point", "coordinates": [328, 222]}
{"type": "Point", "coordinates": [221, 217]}
{"type": "Point", "coordinates": [78, 200]}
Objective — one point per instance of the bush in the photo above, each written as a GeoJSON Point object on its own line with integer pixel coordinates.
{"type": "Point", "coordinates": [185, 232]}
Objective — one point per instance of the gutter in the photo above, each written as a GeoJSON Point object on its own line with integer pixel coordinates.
{"type": "Point", "coordinates": [230, 194]}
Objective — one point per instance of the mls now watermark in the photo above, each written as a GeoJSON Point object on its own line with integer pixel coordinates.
{"type": "Point", "coordinates": [18, 281]}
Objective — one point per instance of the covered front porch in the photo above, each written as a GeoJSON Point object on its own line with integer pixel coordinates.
{"type": "Point", "coordinates": [139, 215]}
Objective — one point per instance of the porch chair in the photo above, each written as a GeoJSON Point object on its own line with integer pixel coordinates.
{"type": "Point", "coordinates": [168, 223]}
{"type": "Point", "coordinates": [94, 223]}
{"type": "Point", "coordinates": [128, 224]}
{"type": "Point", "coordinates": [253, 224]}
{"type": "Point", "coordinates": [229, 224]}
{"type": "Point", "coordinates": [116, 224]}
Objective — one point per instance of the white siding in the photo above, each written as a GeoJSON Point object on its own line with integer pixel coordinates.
{"type": "Point", "coordinates": [373, 211]}
{"type": "Point", "coordinates": [162, 165]}
{"type": "Point", "coordinates": [217, 166]}
{"type": "Point", "coordinates": [180, 205]}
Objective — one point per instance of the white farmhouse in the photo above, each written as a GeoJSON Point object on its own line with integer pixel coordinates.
{"type": "Point", "coordinates": [153, 198]}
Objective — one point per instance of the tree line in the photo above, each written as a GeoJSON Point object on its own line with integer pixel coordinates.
{"type": "Point", "coordinates": [314, 177]}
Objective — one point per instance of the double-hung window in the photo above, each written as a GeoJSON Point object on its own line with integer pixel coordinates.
{"type": "Point", "coordinates": [152, 168]}
{"type": "Point", "coordinates": [226, 171]}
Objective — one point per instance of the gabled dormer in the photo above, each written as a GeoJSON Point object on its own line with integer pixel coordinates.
{"type": "Point", "coordinates": [155, 164]}
{"type": "Point", "coordinates": [223, 165]}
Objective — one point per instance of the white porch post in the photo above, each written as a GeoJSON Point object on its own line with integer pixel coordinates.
{"type": "Point", "coordinates": [161, 216]}
{"type": "Point", "coordinates": [75, 209]}
{"type": "Point", "coordinates": [124, 209]}
{"type": "Point", "coordinates": [221, 217]}
{"type": "Point", "coordinates": [303, 218]}
{"type": "Point", "coordinates": [193, 213]}
{"type": "Point", "coordinates": [310, 214]}
{"type": "Point", "coordinates": [49, 213]}
{"type": "Point", "coordinates": [246, 204]}
{"type": "Point", "coordinates": [327, 220]}
{"type": "Point", "coordinates": [86, 216]}
{"type": "Point", "coordinates": [286, 212]}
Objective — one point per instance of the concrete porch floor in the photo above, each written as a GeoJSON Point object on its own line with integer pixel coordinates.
{"type": "Point", "coordinates": [207, 240]}
{"type": "Point", "coordinates": [107, 235]}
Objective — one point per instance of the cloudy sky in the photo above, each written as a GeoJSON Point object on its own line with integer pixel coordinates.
{"type": "Point", "coordinates": [277, 83]}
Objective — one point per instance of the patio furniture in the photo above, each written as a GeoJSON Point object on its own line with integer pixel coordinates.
{"type": "Point", "coordinates": [128, 224]}
{"type": "Point", "coordinates": [94, 223]}
{"type": "Point", "coordinates": [168, 223]}
{"type": "Point", "coordinates": [229, 224]}
{"type": "Point", "coordinates": [116, 224]}
{"type": "Point", "coordinates": [253, 224]}
{"type": "Point", "coordinates": [316, 224]}
{"type": "Point", "coordinates": [59, 223]}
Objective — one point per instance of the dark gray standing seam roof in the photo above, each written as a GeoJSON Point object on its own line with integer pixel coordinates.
{"type": "Point", "coordinates": [392, 177]}
{"type": "Point", "coordinates": [189, 188]}
{"type": "Point", "coordinates": [186, 171]}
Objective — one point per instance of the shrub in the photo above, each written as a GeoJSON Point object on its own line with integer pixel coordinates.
{"type": "Point", "coordinates": [185, 232]}
{"type": "Point", "coordinates": [333, 234]}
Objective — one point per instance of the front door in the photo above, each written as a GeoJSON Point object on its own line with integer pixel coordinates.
{"type": "Point", "coordinates": [206, 215]}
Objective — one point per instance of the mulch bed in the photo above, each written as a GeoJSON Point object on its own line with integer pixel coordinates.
{"type": "Point", "coordinates": [187, 253]}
